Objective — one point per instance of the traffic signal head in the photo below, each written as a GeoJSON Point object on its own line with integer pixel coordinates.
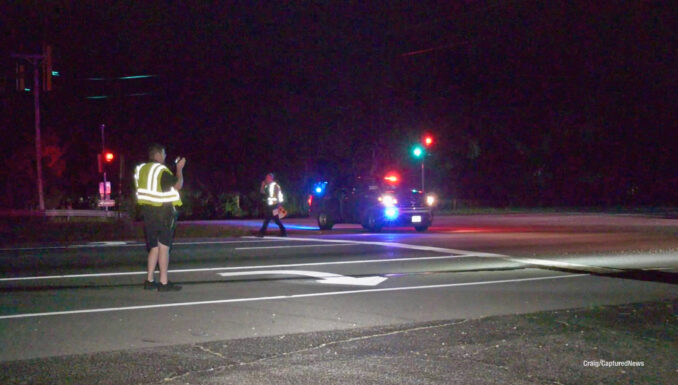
{"type": "Point", "coordinates": [108, 157]}
{"type": "Point", "coordinates": [428, 140]}
{"type": "Point", "coordinates": [418, 152]}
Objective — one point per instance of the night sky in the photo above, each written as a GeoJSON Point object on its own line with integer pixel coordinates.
{"type": "Point", "coordinates": [532, 103]}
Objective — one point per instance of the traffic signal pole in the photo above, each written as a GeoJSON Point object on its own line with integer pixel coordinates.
{"type": "Point", "coordinates": [422, 152]}
{"type": "Point", "coordinates": [428, 141]}
{"type": "Point", "coordinates": [35, 61]}
{"type": "Point", "coordinates": [103, 167]}
{"type": "Point", "coordinates": [423, 188]}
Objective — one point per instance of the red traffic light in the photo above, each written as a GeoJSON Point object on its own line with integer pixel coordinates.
{"type": "Point", "coordinates": [428, 141]}
{"type": "Point", "coordinates": [108, 157]}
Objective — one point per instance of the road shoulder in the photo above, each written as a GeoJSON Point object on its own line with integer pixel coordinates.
{"type": "Point", "coordinates": [636, 343]}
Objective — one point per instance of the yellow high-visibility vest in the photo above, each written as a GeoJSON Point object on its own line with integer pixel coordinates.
{"type": "Point", "coordinates": [147, 177]}
{"type": "Point", "coordinates": [275, 195]}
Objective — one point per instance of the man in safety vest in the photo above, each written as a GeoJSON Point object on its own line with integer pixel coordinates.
{"type": "Point", "coordinates": [273, 202]}
{"type": "Point", "coordinates": [158, 195]}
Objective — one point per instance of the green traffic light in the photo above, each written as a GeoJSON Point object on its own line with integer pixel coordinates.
{"type": "Point", "coordinates": [418, 152]}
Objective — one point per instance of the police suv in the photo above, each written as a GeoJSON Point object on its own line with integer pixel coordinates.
{"type": "Point", "coordinates": [371, 202]}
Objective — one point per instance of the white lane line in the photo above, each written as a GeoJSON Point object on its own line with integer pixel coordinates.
{"type": "Point", "coordinates": [219, 242]}
{"type": "Point", "coordinates": [525, 261]}
{"type": "Point", "coordinates": [291, 296]}
{"type": "Point", "coordinates": [253, 267]}
{"type": "Point", "coordinates": [65, 276]}
{"type": "Point", "coordinates": [108, 243]}
{"type": "Point", "coordinates": [394, 245]}
{"type": "Point", "coordinates": [292, 246]}
{"type": "Point", "coordinates": [543, 262]}
{"type": "Point", "coordinates": [127, 244]}
{"type": "Point", "coordinates": [82, 246]}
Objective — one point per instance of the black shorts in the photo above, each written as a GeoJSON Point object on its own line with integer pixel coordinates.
{"type": "Point", "coordinates": [159, 224]}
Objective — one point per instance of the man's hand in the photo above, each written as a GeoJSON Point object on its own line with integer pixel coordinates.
{"type": "Point", "coordinates": [181, 163]}
{"type": "Point", "coordinates": [180, 174]}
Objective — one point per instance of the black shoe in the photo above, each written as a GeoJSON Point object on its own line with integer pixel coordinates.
{"type": "Point", "coordinates": [150, 285]}
{"type": "Point", "coordinates": [259, 235]}
{"type": "Point", "coordinates": [170, 286]}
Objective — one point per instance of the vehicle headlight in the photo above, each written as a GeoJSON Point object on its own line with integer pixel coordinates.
{"type": "Point", "coordinates": [430, 200]}
{"type": "Point", "coordinates": [388, 200]}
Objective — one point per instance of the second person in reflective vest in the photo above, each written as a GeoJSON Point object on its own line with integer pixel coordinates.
{"type": "Point", "coordinates": [272, 203]}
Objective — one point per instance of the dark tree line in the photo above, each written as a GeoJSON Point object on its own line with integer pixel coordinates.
{"type": "Point", "coordinates": [532, 103]}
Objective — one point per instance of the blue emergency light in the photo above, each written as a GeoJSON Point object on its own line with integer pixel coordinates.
{"type": "Point", "coordinates": [319, 188]}
{"type": "Point", "coordinates": [391, 213]}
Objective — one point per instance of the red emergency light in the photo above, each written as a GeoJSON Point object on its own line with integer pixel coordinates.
{"type": "Point", "coordinates": [391, 178]}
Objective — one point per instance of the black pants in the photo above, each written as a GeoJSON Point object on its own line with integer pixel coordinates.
{"type": "Point", "coordinates": [159, 224]}
{"type": "Point", "coordinates": [268, 211]}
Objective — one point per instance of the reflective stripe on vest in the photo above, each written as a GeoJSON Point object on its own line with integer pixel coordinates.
{"type": "Point", "coordinates": [274, 198]}
{"type": "Point", "coordinates": [147, 178]}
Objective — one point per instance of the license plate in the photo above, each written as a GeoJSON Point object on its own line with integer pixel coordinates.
{"type": "Point", "coordinates": [416, 219]}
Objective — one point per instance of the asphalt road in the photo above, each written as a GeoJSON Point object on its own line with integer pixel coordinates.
{"type": "Point", "coordinates": [62, 300]}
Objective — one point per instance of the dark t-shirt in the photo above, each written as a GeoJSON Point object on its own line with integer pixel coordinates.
{"type": "Point", "coordinates": [167, 181]}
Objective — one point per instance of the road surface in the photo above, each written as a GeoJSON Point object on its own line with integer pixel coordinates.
{"type": "Point", "coordinates": [62, 300]}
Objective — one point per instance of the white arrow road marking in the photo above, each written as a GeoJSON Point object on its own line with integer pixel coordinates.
{"type": "Point", "coordinates": [328, 278]}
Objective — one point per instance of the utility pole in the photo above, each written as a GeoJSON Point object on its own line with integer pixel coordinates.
{"type": "Point", "coordinates": [35, 59]}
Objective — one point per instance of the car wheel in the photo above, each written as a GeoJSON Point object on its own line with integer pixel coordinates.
{"type": "Point", "coordinates": [325, 221]}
